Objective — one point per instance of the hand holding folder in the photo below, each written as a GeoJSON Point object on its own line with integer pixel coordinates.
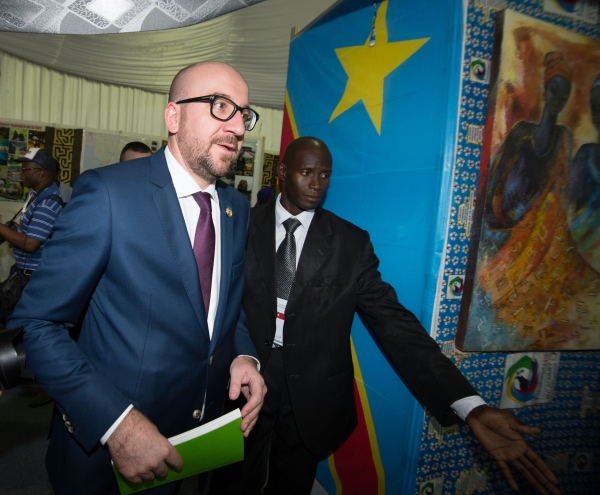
{"type": "Point", "coordinates": [202, 449]}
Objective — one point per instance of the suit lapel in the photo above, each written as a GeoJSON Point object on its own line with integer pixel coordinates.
{"type": "Point", "coordinates": [262, 239]}
{"type": "Point", "coordinates": [315, 252]}
{"type": "Point", "coordinates": [169, 211]}
{"type": "Point", "coordinates": [226, 259]}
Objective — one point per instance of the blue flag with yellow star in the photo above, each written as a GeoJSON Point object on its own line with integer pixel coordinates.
{"type": "Point", "coordinates": [379, 84]}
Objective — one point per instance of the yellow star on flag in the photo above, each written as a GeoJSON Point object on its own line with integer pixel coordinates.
{"type": "Point", "coordinates": [367, 67]}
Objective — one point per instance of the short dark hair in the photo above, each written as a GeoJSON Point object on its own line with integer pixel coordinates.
{"type": "Point", "coordinates": [136, 146]}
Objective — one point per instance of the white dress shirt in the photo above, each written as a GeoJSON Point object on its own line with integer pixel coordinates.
{"type": "Point", "coordinates": [185, 187]}
{"type": "Point", "coordinates": [281, 215]}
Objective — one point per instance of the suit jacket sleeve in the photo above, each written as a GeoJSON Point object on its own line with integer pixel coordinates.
{"type": "Point", "coordinates": [432, 377]}
{"type": "Point", "coordinates": [72, 263]}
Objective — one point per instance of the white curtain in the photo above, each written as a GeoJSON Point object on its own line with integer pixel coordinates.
{"type": "Point", "coordinates": [33, 93]}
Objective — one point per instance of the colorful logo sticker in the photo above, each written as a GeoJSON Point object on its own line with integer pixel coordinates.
{"type": "Point", "coordinates": [431, 487]}
{"type": "Point", "coordinates": [522, 379]}
{"type": "Point", "coordinates": [479, 70]}
{"type": "Point", "coordinates": [427, 488]}
{"type": "Point", "coordinates": [456, 284]}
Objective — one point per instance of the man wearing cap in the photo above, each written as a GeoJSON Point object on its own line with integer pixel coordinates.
{"type": "Point", "coordinates": [42, 207]}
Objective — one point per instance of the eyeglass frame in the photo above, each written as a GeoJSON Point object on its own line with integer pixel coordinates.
{"type": "Point", "coordinates": [211, 99]}
{"type": "Point", "coordinates": [31, 168]}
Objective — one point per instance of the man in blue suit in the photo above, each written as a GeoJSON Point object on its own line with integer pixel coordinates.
{"type": "Point", "coordinates": [158, 343]}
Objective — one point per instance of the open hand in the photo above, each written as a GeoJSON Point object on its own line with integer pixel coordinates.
{"type": "Point", "coordinates": [499, 431]}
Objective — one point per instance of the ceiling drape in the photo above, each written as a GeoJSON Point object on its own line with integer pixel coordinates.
{"type": "Point", "coordinates": [255, 40]}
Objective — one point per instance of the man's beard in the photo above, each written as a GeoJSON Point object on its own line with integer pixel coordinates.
{"type": "Point", "coordinates": [200, 160]}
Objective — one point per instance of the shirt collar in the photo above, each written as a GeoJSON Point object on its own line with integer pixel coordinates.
{"type": "Point", "coordinates": [185, 185]}
{"type": "Point", "coordinates": [281, 215]}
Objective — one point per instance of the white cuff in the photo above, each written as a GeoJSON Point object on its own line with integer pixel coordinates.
{"type": "Point", "coordinates": [252, 357]}
{"type": "Point", "coordinates": [115, 424]}
{"type": "Point", "coordinates": [462, 407]}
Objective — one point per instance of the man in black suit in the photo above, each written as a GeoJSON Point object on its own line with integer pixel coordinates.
{"type": "Point", "coordinates": [302, 336]}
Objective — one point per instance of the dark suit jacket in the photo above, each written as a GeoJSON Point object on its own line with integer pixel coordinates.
{"type": "Point", "coordinates": [337, 274]}
{"type": "Point", "coordinates": [121, 256]}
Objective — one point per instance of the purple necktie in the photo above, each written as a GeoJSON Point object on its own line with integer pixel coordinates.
{"type": "Point", "coordinates": [204, 245]}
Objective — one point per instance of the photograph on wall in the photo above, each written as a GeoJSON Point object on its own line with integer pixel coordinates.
{"type": "Point", "coordinates": [13, 186]}
{"type": "Point", "coordinates": [533, 274]}
{"type": "Point", "coordinates": [37, 139]}
{"type": "Point", "coordinates": [244, 184]}
{"type": "Point", "coordinates": [18, 141]}
{"type": "Point", "coordinates": [3, 171]}
{"type": "Point", "coordinates": [245, 163]}
{"type": "Point", "coordinates": [4, 139]}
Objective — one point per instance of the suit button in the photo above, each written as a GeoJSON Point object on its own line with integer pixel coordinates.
{"type": "Point", "coordinates": [68, 424]}
{"type": "Point", "coordinates": [210, 361]}
{"type": "Point", "coordinates": [71, 429]}
{"type": "Point", "coordinates": [65, 417]}
{"type": "Point", "coordinates": [196, 414]}
{"type": "Point", "coordinates": [268, 343]}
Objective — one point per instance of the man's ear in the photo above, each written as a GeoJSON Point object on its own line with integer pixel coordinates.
{"type": "Point", "coordinates": [281, 171]}
{"type": "Point", "coordinates": [172, 117]}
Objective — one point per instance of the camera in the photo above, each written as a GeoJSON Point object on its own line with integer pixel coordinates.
{"type": "Point", "coordinates": [12, 358]}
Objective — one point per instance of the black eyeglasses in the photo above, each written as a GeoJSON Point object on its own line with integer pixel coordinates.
{"type": "Point", "coordinates": [224, 109]}
{"type": "Point", "coordinates": [33, 168]}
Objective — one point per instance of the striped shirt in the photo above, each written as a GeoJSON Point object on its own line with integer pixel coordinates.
{"type": "Point", "coordinates": [37, 223]}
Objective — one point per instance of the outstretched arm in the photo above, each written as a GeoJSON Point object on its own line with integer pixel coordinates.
{"type": "Point", "coordinates": [500, 432]}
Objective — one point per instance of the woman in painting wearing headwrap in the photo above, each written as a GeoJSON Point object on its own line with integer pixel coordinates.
{"type": "Point", "coordinates": [584, 191]}
{"type": "Point", "coordinates": [537, 283]}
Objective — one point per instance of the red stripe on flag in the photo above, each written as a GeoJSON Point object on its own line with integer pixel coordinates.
{"type": "Point", "coordinates": [354, 460]}
{"type": "Point", "coordinates": [288, 131]}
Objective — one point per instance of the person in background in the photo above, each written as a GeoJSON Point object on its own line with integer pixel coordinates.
{"type": "Point", "coordinates": [150, 254]}
{"type": "Point", "coordinates": [133, 150]}
{"type": "Point", "coordinates": [307, 272]}
{"type": "Point", "coordinates": [43, 205]}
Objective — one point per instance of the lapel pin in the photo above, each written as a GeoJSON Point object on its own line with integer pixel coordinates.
{"type": "Point", "coordinates": [228, 212]}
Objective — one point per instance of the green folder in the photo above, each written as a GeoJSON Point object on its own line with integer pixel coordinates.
{"type": "Point", "coordinates": [207, 447]}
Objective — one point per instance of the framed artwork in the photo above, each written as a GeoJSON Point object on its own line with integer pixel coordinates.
{"type": "Point", "coordinates": [533, 274]}
{"type": "Point", "coordinates": [249, 168]}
